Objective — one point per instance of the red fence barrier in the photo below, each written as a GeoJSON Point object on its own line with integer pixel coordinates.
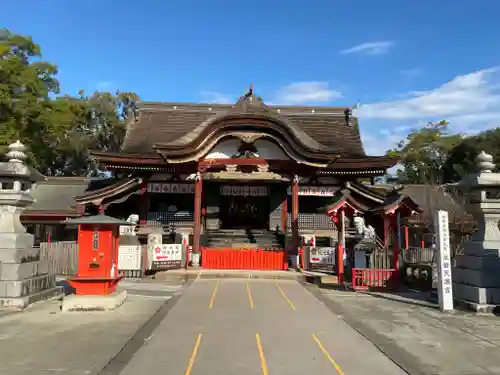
{"type": "Point", "coordinates": [243, 259]}
{"type": "Point", "coordinates": [366, 278]}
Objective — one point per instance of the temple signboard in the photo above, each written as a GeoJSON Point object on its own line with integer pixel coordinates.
{"type": "Point", "coordinates": [316, 191]}
{"type": "Point", "coordinates": [243, 190]}
{"type": "Point", "coordinates": [170, 188]}
{"type": "Point", "coordinates": [166, 256]}
{"type": "Point", "coordinates": [323, 256]}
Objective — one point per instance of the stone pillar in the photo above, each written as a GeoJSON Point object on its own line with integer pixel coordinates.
{"type": "Point", "coordinates": [476, 271]}
{"type": "Point", "coordinates": [197, 214]}
{"type": "Point", "coordinates": [24, 278]}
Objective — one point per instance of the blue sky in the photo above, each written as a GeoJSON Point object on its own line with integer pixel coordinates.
{"type": "Point", "coordinates": [406, 62]}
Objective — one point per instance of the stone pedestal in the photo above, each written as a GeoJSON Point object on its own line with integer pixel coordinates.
{"type": "Point", "coordinates": [93, 303]}
{"type": "Point", "coordinates": [476, 270]}
{"type": "Point", "coordinates": [24, 278]}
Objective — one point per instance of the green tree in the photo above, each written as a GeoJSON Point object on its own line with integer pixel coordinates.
{"type": "Point", "coordinates": [97, 122]}
{"type": "Point", "coordinates": [26, 83]}
{"type": "Point", "coordinates": [423, 153]}
{"type": "Point", "coordinates": [58, 131]}
{"type": "Point", "coordinates": [461, 160]}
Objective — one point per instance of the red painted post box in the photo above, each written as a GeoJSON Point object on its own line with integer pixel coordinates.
{"type": "Point", "coordinates": [98, 241]}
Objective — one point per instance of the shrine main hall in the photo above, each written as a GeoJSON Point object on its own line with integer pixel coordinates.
{"type": "Point", "coordinates": [246, 173]}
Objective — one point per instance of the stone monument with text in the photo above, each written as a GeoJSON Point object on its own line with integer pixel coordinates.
{"type": "Point", "coordinates": [476, 271]}
{"type": "Point", "coordinates": [24, 278]}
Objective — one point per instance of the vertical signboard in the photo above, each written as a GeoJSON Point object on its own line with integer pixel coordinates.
{"type": "Point", "coordinates": [445, 290]}
{"type": "Point", "coordinates": [129, 257]}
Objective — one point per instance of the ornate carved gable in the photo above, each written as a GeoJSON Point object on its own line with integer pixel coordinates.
{"type": "Point", "coordinates": [235, 147]}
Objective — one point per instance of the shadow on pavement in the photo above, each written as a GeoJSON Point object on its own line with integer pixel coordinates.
{"type": "Point", "coordinates": [67, 289]}
{"type": "Point", "coordinates": [414, 298]}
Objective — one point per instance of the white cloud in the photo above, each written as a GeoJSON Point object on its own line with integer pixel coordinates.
{"type": "Point", "coordinates": [298, 93]}
{"type": "Point", "coordinates": [470, 102]}
{"type": "Point", "coordinates": [370, 48]}
{"type": "Point", "coordinates": [472, 93]}
{"type": "Point", "coordinates": [378, 144]}
{"type": "Point", "coordinates": [302, 93]}
{"type": "Point", "coordinates": [213, 97]}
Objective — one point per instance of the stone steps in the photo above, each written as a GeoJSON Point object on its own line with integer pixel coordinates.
{"type": "Point", "coordinates": [238, 237]}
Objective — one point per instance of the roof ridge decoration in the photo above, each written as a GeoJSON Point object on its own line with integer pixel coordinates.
{"type": "Point", "coordinates": [249, 116]}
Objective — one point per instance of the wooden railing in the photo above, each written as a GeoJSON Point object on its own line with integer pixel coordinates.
{"type": "Point", "coordinates": [418, 255]}
{"type": "Point", "coordinates": [162, 219]}
{"type": "Point", "coordinates": [372, 278]}
{"type": "Point", "coordinates": [312, 221]}
{"type": "Point", "coordinates": [63, 257]}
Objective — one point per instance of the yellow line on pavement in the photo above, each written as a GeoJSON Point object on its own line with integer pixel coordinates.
{"type": "Point", "coordinates": [213, 295]}
{"type": "Point", "coordinates": [193, 355]}
{"type": "Point", "coordinates": [263, 364]}
{"type": "Point", "coordinates": [327, 355]}
{"type": "Point", "coordinates": [250, 299]}
{"type": "Point", "coordinates": [285, 296]}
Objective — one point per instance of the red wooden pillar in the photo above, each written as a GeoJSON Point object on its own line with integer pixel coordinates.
{"type": "Point", "coordinates": [197, 217]}
{"type": "Point", "coordinates": [395, 245]}
{"type": "Point", "coordinates": [407, 239]}
{"type": "Point", "coordinates": [386, 231]}
{"type": "Point", "coordinates": [295, 215]}
{"type": "Point", "coordinates": [385, 240]}
{"type": "Point", "coordinates": [284, 224]}
{"type": "Point", "coordinates": [143, 204]}
{"type": "Point", "coordinates": [340, 247]}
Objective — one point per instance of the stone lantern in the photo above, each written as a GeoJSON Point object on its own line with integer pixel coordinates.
{"type": "Point", "coordinates": [476, 272]}
{"type": "Point", "coordinates": [24, 278]}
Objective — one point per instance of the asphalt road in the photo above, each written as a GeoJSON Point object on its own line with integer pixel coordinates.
{"type": "Point", "coordinates": [256, 327]}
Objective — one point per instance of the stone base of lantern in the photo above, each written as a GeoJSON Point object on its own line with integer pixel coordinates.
{"type": "Point", "coordinates": [475, 307]}
{"type": "Point", "coordinates": [476, 276]}
{"type": "Point", "coordinates": [21, 303]}
{"type": "Point", "coordinates": [93, 303]}
{"type": "Point", "coordinates": [24, 279]}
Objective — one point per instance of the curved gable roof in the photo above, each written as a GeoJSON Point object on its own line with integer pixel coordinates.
{"type": "Point", "coordinates": [322, 128]}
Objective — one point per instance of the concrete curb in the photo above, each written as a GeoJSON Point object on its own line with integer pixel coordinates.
{"type": "Point", "coordinates": [403, 359]}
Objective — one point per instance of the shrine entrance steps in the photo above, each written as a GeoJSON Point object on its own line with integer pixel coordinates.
{"type": "Point", "coordinates": [242, 238]}
{"type": "Point", "coordinates": [203, 273]}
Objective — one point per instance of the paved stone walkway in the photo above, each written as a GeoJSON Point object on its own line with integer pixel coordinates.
{"type": "Point", "coordinates": [245, 327]}
{"type": "Point", "coordinates": [43, 341]}
{"type": "Point", "coordinates": [420, 338]}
